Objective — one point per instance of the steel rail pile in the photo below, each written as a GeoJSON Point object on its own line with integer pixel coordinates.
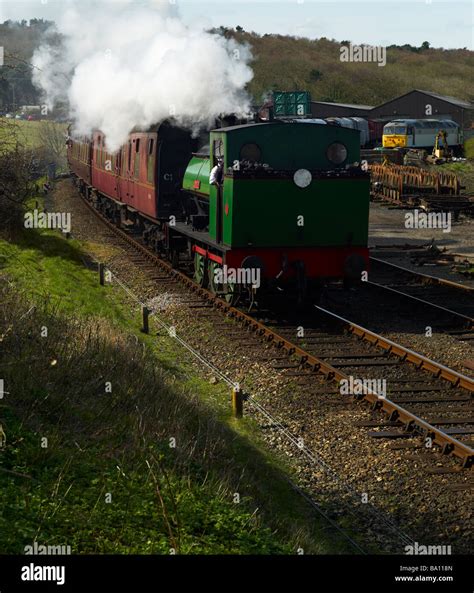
{"type": "Point", "coordinates": [399, 183]}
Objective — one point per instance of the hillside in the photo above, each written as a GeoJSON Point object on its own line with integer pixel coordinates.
{"type": "Point", "coordinates": [286, 63]}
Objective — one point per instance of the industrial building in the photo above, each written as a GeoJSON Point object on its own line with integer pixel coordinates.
{"type": "Point", "coordinates": [323, 109]}
{"type": "Point", "coordinates": [416, 104]}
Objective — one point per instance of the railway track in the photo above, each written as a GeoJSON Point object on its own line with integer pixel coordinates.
{"type": "Point", "coordinates": [452, 296]}
{"type": "Point", "coordinates": [451, 303]}
{"type": "Point", "coordinates": [397, 301]}
{"type": "Point", "coordinates": [420, 398]}
{"type": "Point", "coordinates": [425, 403]}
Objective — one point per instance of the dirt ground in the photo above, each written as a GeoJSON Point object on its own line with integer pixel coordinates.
{"type": "Point", "coordinates": [388, 238]}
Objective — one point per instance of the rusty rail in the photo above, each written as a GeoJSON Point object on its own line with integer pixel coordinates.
{"type": "Point", "coordinates": [447, 442]}
{"type": "Point", "coordinates": [394, 182]}
{"type": "Point", "coordinates": [428, 278]}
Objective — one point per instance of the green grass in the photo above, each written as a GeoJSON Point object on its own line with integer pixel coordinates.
{"type": "Point", "coordinates": [59, 497]}
{"type": "Point", "coordinates": [27, 132]}
{"type": "Point", "coordinates": [469, 148]}
{"type": "Point", "coordinates": [52, 268]}
{"type": "Point", "coordinates": [465, 171]}
{"type": "Point", "coordinates": [162, 497]}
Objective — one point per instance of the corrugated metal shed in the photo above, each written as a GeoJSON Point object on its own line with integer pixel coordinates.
{"type": "Point", "coordinates": [326, 109]}
{"type": "Point", "coordinates": [448, 99]}
{"type": "Point", "coordinates": [425, 104]}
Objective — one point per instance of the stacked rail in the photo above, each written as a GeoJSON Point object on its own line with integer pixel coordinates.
{"type": "Point", "coordinates": [413, 186]}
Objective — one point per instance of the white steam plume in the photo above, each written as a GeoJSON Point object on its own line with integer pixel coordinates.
{"type": "Point", "coordinates": [126, 64]}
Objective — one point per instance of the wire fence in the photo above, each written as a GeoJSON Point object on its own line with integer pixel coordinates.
{"type": "Point", "coordinates": [354, 504]}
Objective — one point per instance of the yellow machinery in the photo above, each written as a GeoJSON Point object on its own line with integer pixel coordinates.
{"type": "Point", "coordinates": [441, 151]}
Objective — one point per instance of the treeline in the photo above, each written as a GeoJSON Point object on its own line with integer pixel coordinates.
{"type": "Point", "coordinates": [19, 40]}
{"type": "Point", "coordinates": [287, 63]}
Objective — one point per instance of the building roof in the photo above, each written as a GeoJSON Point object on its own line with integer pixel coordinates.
{"type": "Point", "coordinates": [445, 98]}
{"type": "Point", "coordinates": [448, 99]}
{"type": "Point", "coordinates": [350, 105]}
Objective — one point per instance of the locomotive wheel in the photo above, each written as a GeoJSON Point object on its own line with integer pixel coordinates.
{"type": "Point", "coordinates": [228, 291]}
{"type": "Point", "coordinates": [200, 270]}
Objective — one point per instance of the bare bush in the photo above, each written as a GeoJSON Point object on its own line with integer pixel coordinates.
{"type": "Point", "coordinates": [52, 140]}
{"type": "Point", "coordinates": [16, 167]}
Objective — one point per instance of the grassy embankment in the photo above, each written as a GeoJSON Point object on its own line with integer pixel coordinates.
{"type": "Point", "coordinates": [109, 401]}
{"type": "Point", "coordinates": [29, 133]}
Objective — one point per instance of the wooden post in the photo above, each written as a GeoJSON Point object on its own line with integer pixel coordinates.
{"type": "Point", "coordinates": [145, 315]}
{"type": "Point", "coordinates": [102, 274]}
{"type": "Point", "coordinates": [237, 403]}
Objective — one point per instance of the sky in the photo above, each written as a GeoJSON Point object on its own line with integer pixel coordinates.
{"type": "Point", "coordinates": [443, 23]}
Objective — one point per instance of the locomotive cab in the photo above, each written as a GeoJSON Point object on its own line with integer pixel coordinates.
{"type": "Point", "coordinates": [395, 136]}
{"type": "Point", "coordinates": [420, 133]}
{"type": "Point", "coordinates": [293, 203]}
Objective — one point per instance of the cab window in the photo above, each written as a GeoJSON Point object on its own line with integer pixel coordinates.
{"type": "Point", "coordinates": [396, 130]}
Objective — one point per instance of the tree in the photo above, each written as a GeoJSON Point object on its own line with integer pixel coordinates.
{"type": "Point", "coordinates": [425, 45]}
{"type": "Point", "coordinates": [315, 75]}
{"type": "Point", "coordinates": [52, 138]}
{"type": "Point", "coordinates": [16, 166]}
